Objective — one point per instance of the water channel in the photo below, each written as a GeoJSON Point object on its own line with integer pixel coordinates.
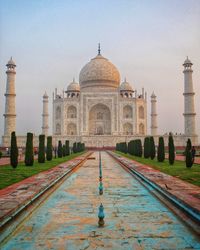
{"type": "Point", "coordinates": [134, 218]}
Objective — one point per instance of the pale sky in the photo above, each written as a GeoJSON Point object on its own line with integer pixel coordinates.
{"type": "Point", "coordinates": [51, 41]}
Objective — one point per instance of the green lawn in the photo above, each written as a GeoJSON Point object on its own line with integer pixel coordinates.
{"type": "Point", "coordinates": [191, 175]}
{"type": "Point", "coordinates": [8, 175]}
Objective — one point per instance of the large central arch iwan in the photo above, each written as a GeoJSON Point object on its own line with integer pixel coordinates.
{"type": "Point", "coordinates": [99, 120]}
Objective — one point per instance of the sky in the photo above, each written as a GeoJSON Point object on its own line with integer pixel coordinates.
{"type": "Point", "coordinates": [147, 40]}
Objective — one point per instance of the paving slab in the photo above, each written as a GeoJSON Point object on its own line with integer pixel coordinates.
{"type": "Point", "coordinates": [184, 191]}
{"type": "Point", "coordinates": [134, 218]}
{"type": "Point", "coordinates": [17, 195]}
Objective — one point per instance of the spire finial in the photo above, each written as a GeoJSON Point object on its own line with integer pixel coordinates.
{"type": "Point", "coordinates": [99, 49]}
{"type": "Point", "coordinates": [73, 79]}
{"type": "Point", "coordinates": [124, 79]}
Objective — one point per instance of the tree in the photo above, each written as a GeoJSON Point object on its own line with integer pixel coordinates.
{"type": "Point", "coordinates": [146, 147]}
{"type": "Point", "coordinates": [67, 147]}
{"type": "Point", "coordinates": [161, 150]}
{"type": "Point", "coordinates": [123, 147]}
{"type": "Point", "coordinates": [1, 154]}
{"type": "Point", "coordinates": [139, 146]}
{"type": "Point", "coordinates": [13, 151]}
{"type": "Point", "coordinates": [79, 147]}
{"type": "Point", "coordinates": [64, 150]}
{"type": "Point", "coordinates": [49, 153]}
{"type": "Point", "coordinates": [171, 149]}
{"type": "Point", "coordinates": [74, 148]}
{"type": "Point", "coordinates": [60, 150]}
{"type": "Point", "coordinates": [152, 148]}
{"type": "Point", "coordinates": [41, 152]}
{"type": "Point", "coordinates": [29, 157]}
{"type": "Point", "coordinates": [188, 154]}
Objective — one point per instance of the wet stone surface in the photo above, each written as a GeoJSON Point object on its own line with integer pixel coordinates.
{"type": "Point", "coordinates": [134, 219]}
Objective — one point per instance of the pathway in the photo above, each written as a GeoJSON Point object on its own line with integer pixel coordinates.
{"type": "Point", "coordinates": [134, 218]}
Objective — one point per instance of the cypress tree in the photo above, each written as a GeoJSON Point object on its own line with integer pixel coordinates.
{"type": "Point", "coordinates": [74, 148]}
{"type": "Point", "coordinates": [60, 149]}
{"type": "Point", "coordinates": [124, 147]}
{"type": "Point", "coordinates": [161, 150]}
{"type": "Point", "coordinates": [139, 148]}
{"type": "Point", "coordinates": [64, 150]}
{"type": "Point", "coordinates": [49, 153]}
{"type": "Point", "coordinates": [79, 147]}
{"type": "Point", "coordinates": [188, 154]}
{"type": "Point", "coordinates": [146, 147]}
{"type": "Point", "coordinates": [13, 151]}
{"type": "Point", "coordinates": [152, 148]}
{"type": "Point", "coordinates": [29, 156]}
{"type": "Point", "coordinates": [41, 152]}
{"type": "Point", "coordinates": [67, 147]}
{"type": "Point", "coordinates": [171, 149]}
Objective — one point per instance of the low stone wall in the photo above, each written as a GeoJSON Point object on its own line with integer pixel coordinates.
{"type": "Point", "coordinates": [100, 141]}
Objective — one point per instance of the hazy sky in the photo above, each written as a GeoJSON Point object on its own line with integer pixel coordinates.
{"type": "Point", "coordinates": [51, 41]}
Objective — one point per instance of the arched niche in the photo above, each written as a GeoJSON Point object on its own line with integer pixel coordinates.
{"type": "Point", "coordinates": [127, 112]}
{"type": "Point", "coordinates": [71, 112]}
{"type": "Point", "coordinates": [71, 129]}
{"type": "Point", "coordinates": [99, 120]}
{"type": "Point", "coordinates": [127, 129]}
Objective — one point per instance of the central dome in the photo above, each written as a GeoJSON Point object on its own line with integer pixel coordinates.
{"type": "Point", "coordinates": [99, 72]}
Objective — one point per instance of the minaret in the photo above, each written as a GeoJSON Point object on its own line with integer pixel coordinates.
{"type": "Point", "coordinates": [45, 115]}
{"type": "Point", "coordinates": [10, 113]}
{"type": "Point", "coordinates": [153, 115]}
{"type": "Point", "coordinates": [189, 111]}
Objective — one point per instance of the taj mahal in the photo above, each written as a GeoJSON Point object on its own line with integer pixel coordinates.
{"type": "Point", "coordinates": [100, 110]}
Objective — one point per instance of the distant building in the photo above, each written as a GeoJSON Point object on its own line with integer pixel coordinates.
{"type": "Point", "coordinates": [99, 110]}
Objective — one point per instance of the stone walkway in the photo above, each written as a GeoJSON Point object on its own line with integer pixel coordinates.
{"type": "Point", "coordinates": [188, 193]}
{"type": "Point", "coordinates": [15, 196]}
{"type": "Point", "coordinates": [134, 219]}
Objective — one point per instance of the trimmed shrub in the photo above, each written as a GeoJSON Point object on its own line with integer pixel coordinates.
{"type": "Point", "coordinates": [146, 147]}
{"type": "Point", "coordinates": [152, 148]}
{"type": "Point", "coordinates": [13, 151]}
{"type": "Point", "coordinates": [171, 149]}
{"type": "Point", "coordinates": [79, 147]}
{"type": "Point", "coordinates": [60, 149]}
{"type": "Point", "coordinates": [41, 152]}
{"type": "Point", "coordinates": [1, 154]}
{"type": "Point", "coordinates": [74, 148]}
{"type": "Point", "coordinates": [64, 150]}
{"type": "Point", "coordinates": [161, 150]}
{"type": "Point", "coordinates": [188, 154]}
{"type": "Point", "coordinates": [124, 147]}
{"type": "Point", "coordinates": [139, 148]}
{"type": "Point", "coordinates": [67, 147]}
{"type": "Point", "coordinates": [29, 157]}
{"type": "Point", "coordinates": [49, 153]}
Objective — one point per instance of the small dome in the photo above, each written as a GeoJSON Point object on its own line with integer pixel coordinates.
{"type": "Point", "coordinates": [125, 86]}
{"type": "Point", "coordinates": [187, 61]}
{"type": "Point", "coordinates": [11, 62]}
{"type": "Point", "coordinates": [73, 86]}
{"type": "Point", "coordinates": [99, 72]}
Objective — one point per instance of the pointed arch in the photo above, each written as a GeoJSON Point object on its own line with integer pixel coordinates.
{"type": "Point", "coordinates": [71, 129]}
{"type": "Point", "coordinates": [58, 112]}
{"type": "Point", "coordinates": [71, 112]}
{"type": "Point", "coordinates": [141, 129]}
{"type": "Point", "coordinates": [127, 128]}
{"type": "Point", "coordinates": [141, 112]}
{"type": "Point", "coordinates": [58, 129]}
{"type": "Point", "coordinates": [127, 112]}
